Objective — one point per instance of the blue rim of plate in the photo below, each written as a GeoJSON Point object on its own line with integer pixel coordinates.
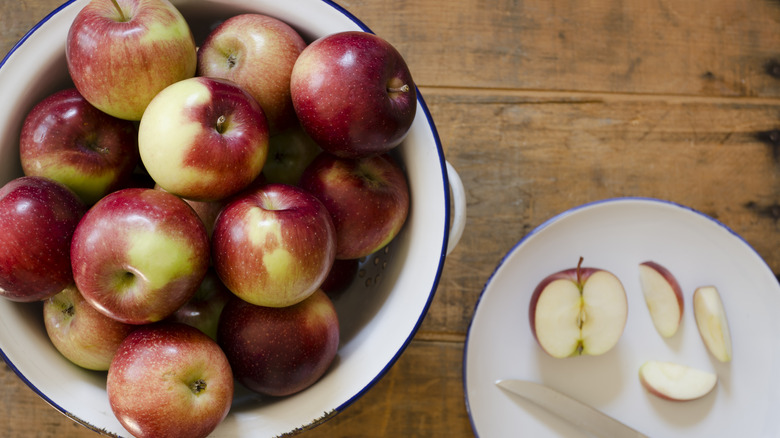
{"type": "Point", "coordinates": [434, 286]}
{"type": "Point", "coordinates": [536, 231]}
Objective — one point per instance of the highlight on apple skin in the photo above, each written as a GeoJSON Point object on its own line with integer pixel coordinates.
{"type": "Point", "coordinates": [712, 322]}
{"type": "Point", "coordinates": [578, 311]}
{"type": "Point", "coordinates": [676, 382]}
{"type": "Point", "coordinates": [663, 296]}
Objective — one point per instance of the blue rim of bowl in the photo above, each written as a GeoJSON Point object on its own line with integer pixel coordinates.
{"type": "Point", "coordinates": [536, 231]}
{"type": "Point", "coordinates": [434, 286]}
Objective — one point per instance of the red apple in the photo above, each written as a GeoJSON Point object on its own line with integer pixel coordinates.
{"type": "Point", "coordinates": [274, 245]}
{"type": "Point", "coordinates": [676, 382]}
{"type": "Point", "coordinates": [207, 211]}
{"type": "Point", "coordinates": [663, 296]}
{"type": "Point", "coordinates": [37, 219]}
{"type": "Point", "coordinates": [66, 139]}
{"type": "Point", "coordinates": [121, 53]}
{"type": "Point", "coordinates": [340, 276]}
{"type": "Point", "coordinates": [169, 380]}
{"type": "Point", "coordinates": [203, 139]}
{"type": "Point", "coordinates": [289, 153]}
{"type": "Point", "coordinates": [257, 52]}
{"type": "Point", "coordinates": [202, 311]}
{"type": "Point", "coordinates": [578, 311]}
{"type": "Point", "coordinates": [139, 254]}
{"type": "Point", "coordinates": [83, 335]}
{"type": "Point", "coordinates": [353, 94]}
{"type": "Point", "coordinates": [368, 199]}
{"type": "Point", "coordinates": [280, 351]}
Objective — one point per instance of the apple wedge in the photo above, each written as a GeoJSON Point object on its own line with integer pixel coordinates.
{"type": "Point", "coordinates": [663, 297]}
{"type": "Point", "coordinates": [676, 382]}
{"type": "Point", "coordinates": [711, 320]}
{"type": "Point", "coordinates": [578, 311]}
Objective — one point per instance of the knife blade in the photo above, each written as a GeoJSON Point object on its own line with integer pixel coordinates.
{"type": "Point", "coordinates": [573, 411]}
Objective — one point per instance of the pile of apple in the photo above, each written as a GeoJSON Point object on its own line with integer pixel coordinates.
{"type": "Point", "coordinates": [583, 310]}
{"type": "Point", "coordinates": [187, 212]}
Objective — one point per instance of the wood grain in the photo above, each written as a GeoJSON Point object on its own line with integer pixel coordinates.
{"type": "Point", "coordinates": [542, 106]}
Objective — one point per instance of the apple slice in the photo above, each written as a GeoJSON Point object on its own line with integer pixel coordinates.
{"type": "Point", "coordinates": [663, 297]}
{"type": "Point", "coordinates": [677, 382]}
{"type": "Point", "coordinates": [711, 320]}
{"type": "Point", "coordinates": [578, 311]}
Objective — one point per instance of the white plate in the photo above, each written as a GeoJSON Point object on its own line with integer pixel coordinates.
{"type": "Point", "coordinates": [617, 235]}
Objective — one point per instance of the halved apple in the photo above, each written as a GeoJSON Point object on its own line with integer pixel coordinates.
{"type": "Point", "coordinates": [674, 381]}
{"type": "Point", "coordinates": [663, 296]}
{"type": "Point", "coordinates": [578, 311]}
{"type": "Point", "coordinates": [711, 320]}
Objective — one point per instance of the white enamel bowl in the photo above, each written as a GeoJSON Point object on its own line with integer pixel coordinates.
{"type": "Point", "coordinates": [379, 313]}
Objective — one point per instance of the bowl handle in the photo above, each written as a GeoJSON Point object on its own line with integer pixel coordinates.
{"type": "Point", "coordinates": [458, 207]}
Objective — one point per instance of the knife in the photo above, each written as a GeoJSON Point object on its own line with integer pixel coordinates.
{"type": "Point", "coordinates": [575, 412]}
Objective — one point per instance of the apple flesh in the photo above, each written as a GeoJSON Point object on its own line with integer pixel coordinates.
{"type": "Point", "coordinates": [169, 380]}
{"type": "Point", "coordinates": [258, 53]}
{"type": "Point", "coordinates": [273, 245]}
{"type": "Point", "coordinates": [676, 382]}
{"type": "Point", "coordinates": [38, 217]}
{"type": "Point", "coordinates": [139, 254]}
{"type": "Point", "coordinates": [578, 311]}
{"type": "Point", "coordinates": [663, 296]}
{"type": "Point", "coordinates": [203, 139]}
{"type": "Point", "coordinates": [83, 335]}
{"type": "Point", "coordinates": [66, 139]}
{"type": "Point", "coordinates": [368, 199]}
{"type": "Point", "coordinates": [353, 94]}
{"type": "Point", "coordinates": [712, 322]}
{"type": "Point", "coordinates": [280, 351]}
{"type": "Point", "coordinates": [121, 53]}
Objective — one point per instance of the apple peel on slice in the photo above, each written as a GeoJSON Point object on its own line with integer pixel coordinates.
{"type": "Point", "coordinates": [676, 382]}
{"type": "Point", "coordinates": [712, 323]}
{"type": "Point", "coordinates": [663, 296]}
{"type": "Point", "coordinates": [579, 311]}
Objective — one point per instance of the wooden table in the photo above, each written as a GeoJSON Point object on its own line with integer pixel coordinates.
{"type": "Point", "coordinates": [543, 105]}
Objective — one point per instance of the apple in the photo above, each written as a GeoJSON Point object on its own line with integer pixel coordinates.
{"type": "Point", "coordinates": [139, 254]}
{"type": "Point", "coordinates": [578, 311]}
{"type": "Point", "coordinates": [676, 382]}
{"type": "Point", "coordinates": [353, 94]}
{"type": "Point", "coordinates": [83, 335]}
{"type": "Point", "coordinates": [203, 139]}
{"type": "Point", "coordinates": [663, 296]}
{"type": "Point", "coordinates": [169, 380]}
{"type": "Point", "coordinates": [202, 311]}
{"type": "Point", "coordinates": [280, 351]}
{"type": "Point", "coordinates": [368, 199]}
{"type": "Point", "coordinates": [257, 52]}
{"type": "Point", "coordinates": [289, 153]}
{"type": "Point", "coordinates": [712, 322]}
{"type": "Point", "coordinates": [121, 53]}
{"type": "Point", "coordinates": [66, 139]}
{"type": "Point", "coordinates": [37, 219]}
{"type": "Point", "coordinates": [340, 276]}
{"type": "Point", "coordinates": [207, 211]}
{"type": "Point", "coordinates": [274, 245]}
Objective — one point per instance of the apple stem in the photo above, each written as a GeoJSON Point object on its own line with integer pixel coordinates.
{"type": "Point", "coordinates": [220, 124]}
{"type": "Point", "coordinates": [579, 273]}
{"type": "Point", "coordinates": [402, 89]}
{"type": "Point", "coordinates": [119, 9]}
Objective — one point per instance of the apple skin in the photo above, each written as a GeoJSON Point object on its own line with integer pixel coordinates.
{"type": "Point", "coordinates": [274, 245]}
{"type": "Point", "coordinates": [353, 94]}
{"type": "Point", "coordinates": [663, 296]}
{"type": "Point", "coordinates": [368, 199]}
{"type": "Point", "coordinates": [258, 53]}
{"type": "Point", "coordinates": [289, 154]}
{"type": "Point", "coordinates": [280, 351]}
{"type": "Point", "coordinates": [139, 254]}
{"type": "Point", "coordinates": [676, 382]}
{"type": "Point", "coordinates": [202, 311]}
{"type": "Point", "coordinates": [83, 335]}
{"type": "Point", "coordinates": [169, 380]}
{"type": "Point", "coordinates": [120, 60]}
{"type": "Point", "coordinates": [66, 139]}
{"type": "Point", "coordinates": [37, 219]}
{"type": "Point", "coordinates": [340, 276]}
{"type": "Point", "coordinates": [596, 326]}
{"type": "Point", "coordinates": [203, 139]}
